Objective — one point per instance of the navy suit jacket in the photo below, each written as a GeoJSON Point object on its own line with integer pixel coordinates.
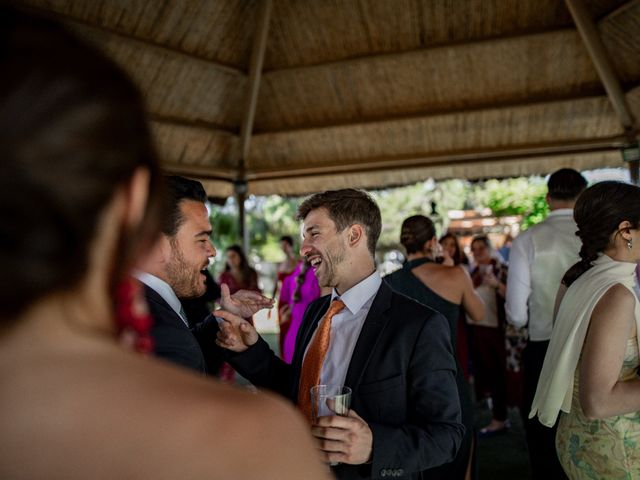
{"type": "Point", "coordinates": [402, 374]}
{"type": "Point", "coordinates": [193, 348]}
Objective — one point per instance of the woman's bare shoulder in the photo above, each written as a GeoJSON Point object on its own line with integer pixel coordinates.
{"type": "Point", "coordinates": [158, 420]}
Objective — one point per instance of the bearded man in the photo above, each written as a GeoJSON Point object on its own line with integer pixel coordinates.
{"type": "Point", "coordinates": [174, 270]}
{"type": "Point", "coordinates": [394, 353]}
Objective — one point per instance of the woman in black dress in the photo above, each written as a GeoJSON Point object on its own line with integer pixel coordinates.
{"type": "Point", "coordinates": [445, 289]}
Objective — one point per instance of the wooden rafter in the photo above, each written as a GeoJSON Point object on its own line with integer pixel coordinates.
{"type": "Point", "coordinates": [426, 159]}
{"type": "Point", "coordinates": [218, 65]}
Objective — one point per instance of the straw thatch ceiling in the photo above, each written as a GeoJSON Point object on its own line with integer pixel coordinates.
{"type": "Point", "coordinates": [305, 95]}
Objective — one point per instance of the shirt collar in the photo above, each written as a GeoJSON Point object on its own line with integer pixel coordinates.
{"type": "Point", "coordinates": [358, 295]}
{"type": "Point", "coordinates": [560, 211]}
{"type": "Point", "coordinates": [162, 288]}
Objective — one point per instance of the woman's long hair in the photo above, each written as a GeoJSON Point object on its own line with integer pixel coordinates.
{"type": "Point", "coordinates": [247, 273]}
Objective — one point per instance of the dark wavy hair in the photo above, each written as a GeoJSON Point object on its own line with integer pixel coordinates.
{"type": "Point", "coordinates": [248, 273]}
{"type": "Point", "coordinates": [459, 256]}
{"type": "Point", "coordinates": [598, 212]}
{"type": "Point", "coordinates": [72, 131]}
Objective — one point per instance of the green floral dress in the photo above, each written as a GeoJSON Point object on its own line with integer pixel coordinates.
{"type": "Point", "coordinates": [601, 449]}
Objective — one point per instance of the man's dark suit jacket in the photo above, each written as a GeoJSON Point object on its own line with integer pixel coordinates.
{"type": "Point", "coordinates": [402, 374]}
{"type": "Point", "coordinates": [194, 348]}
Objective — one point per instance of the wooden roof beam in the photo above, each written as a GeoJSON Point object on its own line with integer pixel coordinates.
{"type": "Point", "coordinates": [620, 9]}
{"type": "Point", "coordinates": [199, 171]}
{"type": "Point", "coordinates": [199, 124]}
{"type": "Point", "coordinates": [395, 53]}
{"type": "Point", "coordinates": [429, 113]}
{"type": "Point", "coordinates": [223, 67]}
{"type": "Point", "coordinates": [428, 160]}
{"type": "Point", "coordinates": [253, 87]}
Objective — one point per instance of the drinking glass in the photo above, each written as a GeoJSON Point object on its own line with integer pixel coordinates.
{"type": "Point", "coordinates": [330, 400]}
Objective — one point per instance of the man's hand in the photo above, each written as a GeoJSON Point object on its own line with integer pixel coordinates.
{"type": "Point", "coordinates": [235, 334]}
{"type": "Point", "coordinates": [344, 439]}
{"type": "Point", "coordinates": [244, 302]}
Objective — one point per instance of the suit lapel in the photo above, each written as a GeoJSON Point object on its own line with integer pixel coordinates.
{"type": "Point", "coordinates": [373, 326]}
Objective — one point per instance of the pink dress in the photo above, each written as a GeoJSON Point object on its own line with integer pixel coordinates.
{"type": "Point", "coordinates": [309, 290]}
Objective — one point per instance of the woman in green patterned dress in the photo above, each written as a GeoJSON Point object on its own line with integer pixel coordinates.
{"type": "Point", "coordinates": [591, 369]}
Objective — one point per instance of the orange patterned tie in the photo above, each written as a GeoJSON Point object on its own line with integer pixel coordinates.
{"type": "Point", "coordinates": [312, 364]}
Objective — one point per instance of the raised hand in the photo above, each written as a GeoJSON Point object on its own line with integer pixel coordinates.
{"type": "Point", "coordinates": [235, 333]}
{"type": "Point", "coordinates": [244, 302]}
{"type": "Point", "coordinates": [345, 439]}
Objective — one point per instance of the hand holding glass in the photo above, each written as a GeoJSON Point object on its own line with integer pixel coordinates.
{"type": "Point", "coordinates": [330, 400]}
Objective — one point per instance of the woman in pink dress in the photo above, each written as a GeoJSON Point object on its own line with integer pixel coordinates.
{"type": "Point", "coordinates": [298, 290]}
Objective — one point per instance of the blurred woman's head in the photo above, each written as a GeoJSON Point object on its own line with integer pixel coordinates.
{"type": "Point", "coordinates": [72, 133]}
{"type": "Point", "coordinates": [415, 232]}
{"type": "Point", "coordinates": [608, 217]}
{"type": "Point", "coordinates": [481, 249]}
{"type": "Point", "coordinates": [236, 259]}
{"type": "Point", "coordinates": [451, 245]}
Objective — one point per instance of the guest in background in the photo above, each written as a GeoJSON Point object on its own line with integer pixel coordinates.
{"type": "Point", "coordinates": [238, 274]}
{"type": "Point", "coordinates": [540, 256]}
{"type": "Point", "coordinates": [298, 290]}
{"type": "Point", "coordinates": [448, 290]}
{"type": "Point", "coordinates": [454, 255]}
{"type": "Point", "coordinates": [590, 372]}
{"type": "Point", "coordinates": [488, 351]}
{"type": "Point", "coordinates": [285, 268]}
{"type": "Point", "coordinates": [451, 245]}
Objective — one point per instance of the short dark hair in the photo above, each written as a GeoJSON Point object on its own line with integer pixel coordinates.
{"type": "Point", "coordinates": [566, 184]}
{"type": "Point", "coordinates": [415, 232]}
{"type": "Point", "coordinates": [288, 239]}
{"type": "Point", "coordinates": [72, 131]}
{"type": "Point", "coordinates": [484, 239]}
{"type": "Point", "coordinates": [177, 190]}
{"type": "Point", "coordinates": [346, 207]}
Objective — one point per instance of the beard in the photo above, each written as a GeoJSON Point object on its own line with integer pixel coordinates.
{"type": "Point", "coordinates": [327, 273]}
{"type": "Point", "coordinates": [186, 279]}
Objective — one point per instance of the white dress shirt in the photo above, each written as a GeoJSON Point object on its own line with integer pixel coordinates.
{"type": "Point", "coordinates": [539, 258]}
{"type": "Point", "coordinates": [163, 289]}
{"type": "Point", "coordinates": [346, 327]}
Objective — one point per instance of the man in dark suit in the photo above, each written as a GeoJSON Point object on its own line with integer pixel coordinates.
{"type": "Point", "coordinates": [175, 270]}
{"type": "Point", "coordinates": [394, 353]}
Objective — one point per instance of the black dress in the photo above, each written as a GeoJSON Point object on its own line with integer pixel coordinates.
{"type": "Point", "coordinates": [405, 282]}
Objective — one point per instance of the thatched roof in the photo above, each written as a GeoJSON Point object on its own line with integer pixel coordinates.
{"type": "Point", "coordinates": [370, 93]}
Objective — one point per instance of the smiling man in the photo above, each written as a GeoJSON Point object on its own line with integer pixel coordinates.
{"type": "Point", "coordinates": [174, 271]}
{"type": "Point", "coordinates": [394, 353]}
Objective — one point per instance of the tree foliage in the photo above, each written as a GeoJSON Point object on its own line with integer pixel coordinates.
{"type": "Point", "coordinates": [268, 218]}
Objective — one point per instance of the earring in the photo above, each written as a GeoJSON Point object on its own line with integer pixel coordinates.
{"type": "Point", "coordinates": [629, 244]}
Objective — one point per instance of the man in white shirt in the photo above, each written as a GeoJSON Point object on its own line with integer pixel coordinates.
{"type": "Point", "coordinates": [174, 271]}
{"type": "Point", "coordinates": [538, 260]}
{"type": "Point", "coordinates": [395, 354]}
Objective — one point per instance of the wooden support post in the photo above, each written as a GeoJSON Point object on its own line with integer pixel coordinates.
{"type": "Point", "coordinates": [598, 53]}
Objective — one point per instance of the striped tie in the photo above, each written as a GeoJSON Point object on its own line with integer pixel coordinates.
{"type": "Point", "coordinates": [312, 364]}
